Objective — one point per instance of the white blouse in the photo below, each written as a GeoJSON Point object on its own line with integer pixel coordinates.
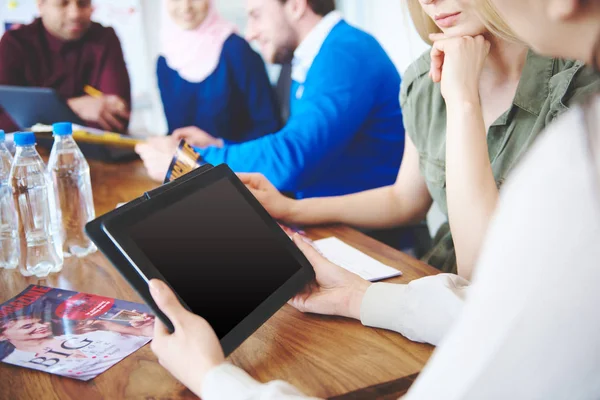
{"type": "Point", "coordinates": [529, 327]}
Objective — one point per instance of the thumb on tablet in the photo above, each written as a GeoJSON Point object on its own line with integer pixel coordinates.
{"type": "Point", "coordinates": [304, 244]}
{"type": "Point", "coordinates": [167, 302]}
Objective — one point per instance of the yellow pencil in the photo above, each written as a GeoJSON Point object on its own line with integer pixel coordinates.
{"type": "Point", "coordinates": [92, 91]}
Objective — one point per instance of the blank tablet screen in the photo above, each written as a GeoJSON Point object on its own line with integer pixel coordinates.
{"type": "Point", "coordinates": [216, 252]}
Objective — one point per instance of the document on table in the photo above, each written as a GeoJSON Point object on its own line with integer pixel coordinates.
{"type": "Point", "coordinates": [354, 260]}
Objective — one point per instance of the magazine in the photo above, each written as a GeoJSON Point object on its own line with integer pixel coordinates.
{"type": "Point", "coordinates": [76, 335]}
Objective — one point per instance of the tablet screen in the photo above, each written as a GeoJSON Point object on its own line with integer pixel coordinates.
{"type": "Point", "coordinates": [216, 252]}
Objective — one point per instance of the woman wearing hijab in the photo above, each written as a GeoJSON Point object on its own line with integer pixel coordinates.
{"type": "Point", "coordinates": [210, 80]}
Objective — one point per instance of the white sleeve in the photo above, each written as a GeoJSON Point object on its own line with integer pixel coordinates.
{"type": "Point", "coordinates": [531, 326]}
{"type": "Point", "coordinates": [227, 382]}
{"type": "Point", "coordinates": [423, 310]}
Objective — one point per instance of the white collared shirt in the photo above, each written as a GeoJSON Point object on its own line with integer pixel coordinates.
{"type": "Point", "coordinates": [306, 53]}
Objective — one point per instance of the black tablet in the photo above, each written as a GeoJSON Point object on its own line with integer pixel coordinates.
{"type": "Point", "coordinates": [212, 242]}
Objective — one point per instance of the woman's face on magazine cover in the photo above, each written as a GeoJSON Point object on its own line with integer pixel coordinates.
{"type": "Point", "coordinates": [25, 328]}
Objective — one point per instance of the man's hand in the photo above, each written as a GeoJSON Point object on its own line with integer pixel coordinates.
{"type": "Point", "coordinates": [108, 111]}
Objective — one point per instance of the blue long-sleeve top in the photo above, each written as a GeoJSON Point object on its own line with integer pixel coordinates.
{"type": "Point", "coordinates": [345, 133]}
{"type": "Point", "coordinates": [236, 102]}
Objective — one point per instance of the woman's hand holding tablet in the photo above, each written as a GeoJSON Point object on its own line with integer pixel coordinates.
{"type": "Point", "coordinates": [194, 349]}
{"type": "Point", "coordinates": [212, 242]}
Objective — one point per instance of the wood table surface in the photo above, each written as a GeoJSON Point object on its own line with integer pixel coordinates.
{"type": "Point", "coordinates": [323, 356]}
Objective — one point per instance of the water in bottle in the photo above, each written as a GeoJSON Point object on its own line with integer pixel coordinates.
{"type": "Point", "coordinates": [70, 176]}
{"type": "Point", "coordinates": [9, 244]}
{"type": "Point", "coordinates": [30, 189]}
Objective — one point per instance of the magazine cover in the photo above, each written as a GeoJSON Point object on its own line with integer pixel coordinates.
{"type": "Point", "coordinates": [186, 159]}
{"type": "Point", "coordinates": [71, 334]}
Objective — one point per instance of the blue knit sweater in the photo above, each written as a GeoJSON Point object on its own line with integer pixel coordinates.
{"type": "Point", "coordinates": [345, 133]}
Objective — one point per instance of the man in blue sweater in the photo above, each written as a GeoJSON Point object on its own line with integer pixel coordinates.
{"type": "Point", "coordinates": [345, 132]}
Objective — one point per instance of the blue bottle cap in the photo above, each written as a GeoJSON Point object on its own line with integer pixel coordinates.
{"type": "Point", "coordinates": [62, 129]}
{"type": "Point", "coordinates": [24, 138]}
{"type": "Point", "coordinates": [2, 136]}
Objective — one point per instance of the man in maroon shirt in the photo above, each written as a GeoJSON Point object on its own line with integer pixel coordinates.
{"type": "Point", "coordinates": [66, 51]}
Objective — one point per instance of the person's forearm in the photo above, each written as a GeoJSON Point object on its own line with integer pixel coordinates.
{"type": "Point", "coordinates": [471, 186]}
{"type": "Point", "coordinates": [374, 209]}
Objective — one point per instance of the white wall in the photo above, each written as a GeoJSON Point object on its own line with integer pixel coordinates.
{"type": "Point", "coordinates": [389, 22]}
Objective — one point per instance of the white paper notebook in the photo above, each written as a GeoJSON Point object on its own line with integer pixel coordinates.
{"type": "Point", "coordinates": [354, 260]}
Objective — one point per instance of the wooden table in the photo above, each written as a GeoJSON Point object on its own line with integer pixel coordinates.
{"type": "Point", "coordinates": [323, 356]}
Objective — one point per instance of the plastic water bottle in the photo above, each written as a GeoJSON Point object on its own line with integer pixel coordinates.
{"type": "Point", "coordinates": [70, 175]}
{"type": "Point", "coordinates": [9, 242]}
{"type": "Point", "coordinates": [30, 189]}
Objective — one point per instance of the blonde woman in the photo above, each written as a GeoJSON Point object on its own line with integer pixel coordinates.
{"type": "Point", "coordinates": [466, 126]}
{"type": "Point", "coordinates": [530, 326]}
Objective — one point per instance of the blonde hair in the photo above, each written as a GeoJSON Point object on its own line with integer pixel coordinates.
{"type": "Point", "coordinates": [494, 22]}
{"type": "Point", "coordinates": [485, 9]}
{"type": "Point", "coordinates": [423, 22]}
